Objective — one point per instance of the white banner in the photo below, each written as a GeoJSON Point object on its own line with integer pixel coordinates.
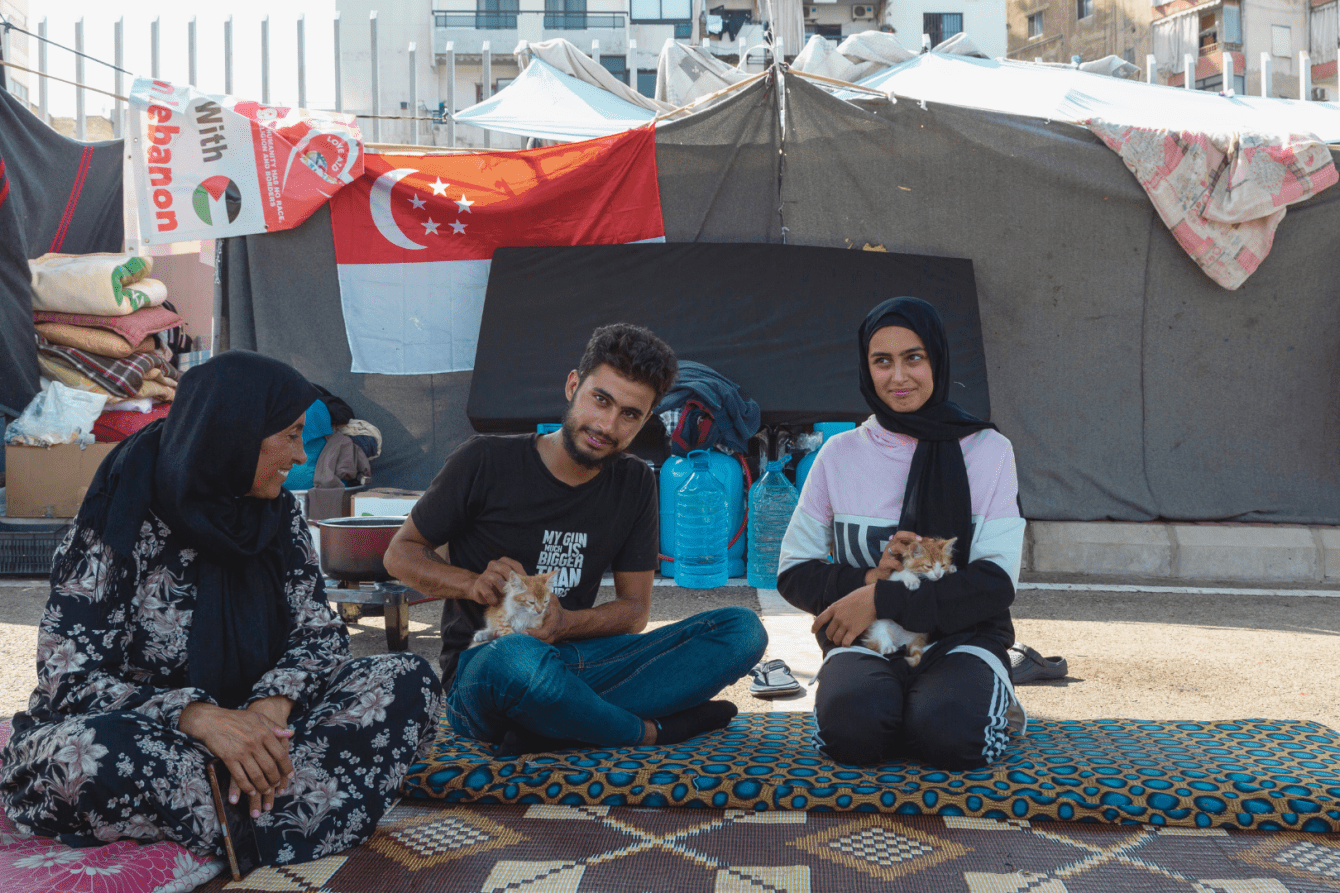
{"type": "Point", "coordinates": [207, 166]}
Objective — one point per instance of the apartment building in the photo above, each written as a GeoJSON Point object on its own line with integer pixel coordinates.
{"type": "Point", "coordinates": [1059, 30]}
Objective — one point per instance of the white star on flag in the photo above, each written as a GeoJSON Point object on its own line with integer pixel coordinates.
{"type": "Point", "coordinates": [440, 188]}
{"type": "Point", "coordinates": [464, 205]}
{"type": "Point", "coordinates": [458, 227]}
{"type": "Point", "coordinates": [430, 227]}
{"type": "Point", "coordinates": [417, 202]}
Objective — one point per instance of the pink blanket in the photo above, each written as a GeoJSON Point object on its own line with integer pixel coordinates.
{"type": "Point", "coordinates": [42, 865]}
{"type": "Point", "coordinates": [1221, 194]}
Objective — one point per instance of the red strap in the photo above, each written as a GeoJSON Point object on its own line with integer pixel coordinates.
{"type": "Point", "coordinates": [4, 183]}
{"type": "Point", "coordinates": [85, 161]}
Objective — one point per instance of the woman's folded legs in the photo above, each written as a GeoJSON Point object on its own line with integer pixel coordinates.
{"type": "Point", "coordinates": [949, 711]}
{"type": "Point", "coordinates": [118, 775]}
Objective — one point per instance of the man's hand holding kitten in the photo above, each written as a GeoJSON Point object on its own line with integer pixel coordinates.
{"type": "Point", "coordinates": [890, 561]}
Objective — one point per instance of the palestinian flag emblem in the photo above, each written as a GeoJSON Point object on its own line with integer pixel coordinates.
{"type": "Point", "coordinates": [217, 198]}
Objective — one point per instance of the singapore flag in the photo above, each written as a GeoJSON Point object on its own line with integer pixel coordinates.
{"type": "Point", "coordinates": [415, 234]}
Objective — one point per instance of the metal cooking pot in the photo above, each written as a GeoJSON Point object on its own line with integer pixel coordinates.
{"type": "Point", "coordinates": [352, 548]}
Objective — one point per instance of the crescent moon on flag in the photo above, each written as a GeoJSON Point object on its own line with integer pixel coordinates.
{"type": "Point", "coordinates": [379, 202]}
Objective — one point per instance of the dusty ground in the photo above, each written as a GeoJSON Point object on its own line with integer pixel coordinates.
{"type": "Point", "coordinates": [1140, 655]}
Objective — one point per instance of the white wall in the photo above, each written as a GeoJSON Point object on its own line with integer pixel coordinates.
{"type": "Point", "coordinates": [983, 21]}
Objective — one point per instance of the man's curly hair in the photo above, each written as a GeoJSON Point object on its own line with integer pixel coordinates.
{"type": "Point", "coordinates": [635, 353]}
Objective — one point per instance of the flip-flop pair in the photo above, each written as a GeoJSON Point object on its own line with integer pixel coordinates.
{"type": "Point", "coordinates": [772, 679]}
{"type": "Point", "coordinates": [1026, 665]}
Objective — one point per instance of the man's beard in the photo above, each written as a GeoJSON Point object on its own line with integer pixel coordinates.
{"type": "Point", "coordinates": [569, 436]}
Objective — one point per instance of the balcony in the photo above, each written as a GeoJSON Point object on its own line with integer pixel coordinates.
{"type": "Point", "coordinates": [504, 29]}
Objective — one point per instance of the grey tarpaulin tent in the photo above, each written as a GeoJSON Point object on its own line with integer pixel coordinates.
{"type": "Point", "coordinates": [56, 194]}
{"type": "Point", "coordinates": [1132, 386]}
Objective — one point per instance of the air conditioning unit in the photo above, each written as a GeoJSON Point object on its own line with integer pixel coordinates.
{"type": "Point", "coordinates": [811, 12]}
{"type": "Point", "coordinates": [1318, 94]}
{"type": "Point", "coordinates": [863, 12]}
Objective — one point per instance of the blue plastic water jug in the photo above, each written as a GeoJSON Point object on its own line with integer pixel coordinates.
{"type": "Point", "coordinates": [827, 429]}
{"type": "Point", "coordinates": [726, 469]}
{"type": "Point", "coordinates": [701, 532]}
{"type": "Point", "coordinates": [771, 502]}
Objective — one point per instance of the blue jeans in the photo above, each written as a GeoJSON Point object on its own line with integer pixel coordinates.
{"type": "Point", "coordinates": [600, 690]}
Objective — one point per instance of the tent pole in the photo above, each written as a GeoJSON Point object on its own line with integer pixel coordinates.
{"type": "Point", "coordinates": [1151, 69]}
{"type": "Point", "coordinates": [302, 60]}
{"type": "Point", "coordinates": [339, 84]}
{"type": "Point", "coordinates": [414, 90]}
{"type": "Point", "coordinates": [450, 65]}
{"type": "Point", "coordinates": [1267, 76]}
{"type": "Point", "coordinates": [80, 121]}
{"type": "Point", "coordinates": [486, 61]}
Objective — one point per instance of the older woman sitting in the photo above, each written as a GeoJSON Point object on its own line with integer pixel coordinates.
{"type": "Point", "coordinates": [187, 622]}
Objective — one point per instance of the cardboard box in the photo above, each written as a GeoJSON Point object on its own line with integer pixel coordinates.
{"type": "Point", "coordinates": [50, 482]}
{"type": "Point", "coordinates": [384, 502]}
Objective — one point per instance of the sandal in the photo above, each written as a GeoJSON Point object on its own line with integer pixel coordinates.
{"type": "Point", "coordinates": [1026, 665]}
{"type": "Point", "coordinates": [772, 679]}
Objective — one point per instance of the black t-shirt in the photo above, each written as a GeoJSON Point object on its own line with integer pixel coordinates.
{"type": "Point", "coordinates": [495, 498]}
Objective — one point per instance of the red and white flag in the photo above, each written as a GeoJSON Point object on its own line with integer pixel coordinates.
{"type": "Point", "coordinates": [415, 234]}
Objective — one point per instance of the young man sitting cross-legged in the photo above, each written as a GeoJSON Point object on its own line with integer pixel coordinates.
{"type": "Point", "coordinates": [571, 500]}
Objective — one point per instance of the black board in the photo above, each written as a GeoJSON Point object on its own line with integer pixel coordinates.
{"type": "Point", "coordinates": [779, 320]}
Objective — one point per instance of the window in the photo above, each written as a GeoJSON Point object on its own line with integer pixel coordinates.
{"type": "Point", "coordinates": [19, 90]}
{"type": "Point", "coordinates": [683, 30]}
{"type": "Point", "coordinates": [1215, 83]}
{"type": "Point", "coordinates": [662, 10]}
{"type": "Point", "coordinates": [565, 14]}
{"type": "Point", "coordinates": [646, 82]}
{"type": "Point", "coordinates": [1209, 30]}
{"type": "Point", "coordinates": [617, 66]}
{"type": "Point", "coordinates": [496, 14]}
{"type": "Point", "coordinates": [1232, 24]}
{"type": "Point", "coordinates": [1035, 25]}
{"type": "Point", "coordinates": [941, 25]}
{"type": "Point", "coordinates": [1083, 9]}
{"type": "Point", "coordinates": [1281, 41]}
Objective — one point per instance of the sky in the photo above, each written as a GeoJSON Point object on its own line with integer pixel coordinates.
{"type": "Point", "coordinates": [174, 15]}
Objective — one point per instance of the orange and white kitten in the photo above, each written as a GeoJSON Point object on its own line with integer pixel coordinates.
{"type": "Point", "coordinates": [929, 559]}
{"type": "Point", "coordinates": [525, 599]}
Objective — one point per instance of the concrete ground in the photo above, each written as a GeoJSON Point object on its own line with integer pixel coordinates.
{"type": "Point", "coordinates": [1144, 654]}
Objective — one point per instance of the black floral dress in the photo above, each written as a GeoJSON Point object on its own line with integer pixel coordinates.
{"type": "Point", "coordinates": [98, 756]}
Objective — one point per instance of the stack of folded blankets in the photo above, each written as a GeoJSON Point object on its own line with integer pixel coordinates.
{"type": "Point", "coordinates": [100, 326]}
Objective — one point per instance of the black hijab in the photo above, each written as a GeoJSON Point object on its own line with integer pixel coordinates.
{"type": "Point", "coordinates": [193, 469]}
{"type": "Point", "coordinates": [937, 501]}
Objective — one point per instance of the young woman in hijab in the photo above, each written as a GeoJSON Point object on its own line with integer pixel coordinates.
{"type": "Point", "coordinates": [920, 466]}
{"type": "Point", "coordinates": [188, 621]}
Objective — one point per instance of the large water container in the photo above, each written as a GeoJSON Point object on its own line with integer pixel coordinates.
{"type": "Point", "coordinates": [827, 429]}
{"type": "Point", "coordinates": [771, 502]}
{"type": "Point", "coordinates": [701, 532]}
{"type": "Point", "coordinates": [726, 469]}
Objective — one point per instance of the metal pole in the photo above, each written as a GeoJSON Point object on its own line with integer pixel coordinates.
{"type": "Point", "coordinates": [265, 59]}
{"type": "Point", "coordinates": [339, 85]}
{"type": "Point", "coordinates": [450, 62]}
{"type": "Point", "coordinates": [376, 81]}
{"type": "Point", "coordinates": [119, 56]}
{"type": "Point", "coordinates": [1189, 73]}
{"type": "Point", "coordinates": [1151, 69]}
{"type": "Point", "coordinates": [1227, 66]}
{"type": "Point", "coordinates": [1267, 76]}
{"type": "Point", "coordinates": [190, 51]}
{"type": "Point", "coordinates": [228, 55]}
{"type": "Point", "coordinates": [595, 51]}
{"type": "Point", "coordinates": [632, 58]}
{"type": "Point", "coordinates": [486, 61]}
{"type": "Point", "coordinates": [1304, 76]}
{"type": "Point", "coordinates": [153, 48]}
{"type": "Point", "coordinates": [414, 90]}
{"type": "Point", "coordinates": [80, 122]}
{"type": "Point", "coordinates": [42, 69]}
{"type": "Point", "coordinates": [302, 60]}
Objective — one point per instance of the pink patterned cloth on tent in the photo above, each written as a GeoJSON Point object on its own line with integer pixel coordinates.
{"type": "Point", "coordinates": [43, 865]}
{"type": "Point", "coordinates": [1221, 194]}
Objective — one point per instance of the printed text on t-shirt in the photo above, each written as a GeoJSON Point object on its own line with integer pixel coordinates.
{"type": "Point", "coordinates": [562, 552]}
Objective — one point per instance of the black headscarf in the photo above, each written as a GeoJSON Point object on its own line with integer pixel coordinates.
{"type": "Point", "coordinates": [193, 469]}
{"type": "Point", "coordinates": [937, 501]}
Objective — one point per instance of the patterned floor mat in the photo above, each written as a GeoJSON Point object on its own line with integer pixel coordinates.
{"type": "Point", "coordinates": [423, 846]}
{"type": "Point", "coordinates": [1249, 774]}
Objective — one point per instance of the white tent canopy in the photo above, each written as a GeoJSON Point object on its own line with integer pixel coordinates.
{"type": "Point", "coordinates": [1059, 94]}
{"type": "Point", "coordinates": [547, 104]}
